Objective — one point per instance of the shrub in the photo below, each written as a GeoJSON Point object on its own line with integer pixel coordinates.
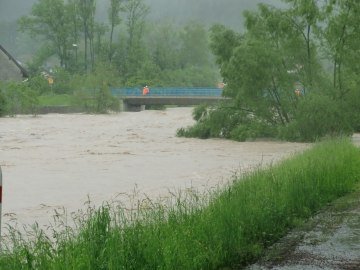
{"type": "Point", "coordinates": [2, 104]}
{"type": "Point", "coordinates": [93, 92]}
{"type": "Point", "coordinates": [318, 116]}
{"type": "Point", "coordinates": [18, 98]}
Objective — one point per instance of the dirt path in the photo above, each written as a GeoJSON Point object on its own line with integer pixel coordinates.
{"type": "Point", "coordinates": [330, 240]}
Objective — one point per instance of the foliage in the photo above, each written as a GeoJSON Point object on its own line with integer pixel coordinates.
{"type": "Point", "coordinates": [226, 121]}
{"type": "Point", "coordinates": [2, 104]}
{"type": "Point", "coordinates": [17, 98]}
{"type": "Point", "coordinates": [93, 92]}
{"type": "Point", "coordinates": [142, 53]}
{"type": "Point", "coordinates": [40, 83]}
{"type": "Point", "coordinates": [277, 72]}
{"type": "Point", "coordinates": [35, 66]}
{"type": "Point", "coordinates": [61, 79]}
{"type": "Point", "coordinates": [319, 116]}
{"type": "Point", "coordinates": [50, 20]}
{"type": "Point", "coordinates": [229, 227]}
{"type": "Point", "coordinates": [116, 6]}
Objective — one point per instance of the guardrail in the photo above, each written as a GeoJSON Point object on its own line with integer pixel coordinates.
{"type": "Point", "coordinates": [168, 92]}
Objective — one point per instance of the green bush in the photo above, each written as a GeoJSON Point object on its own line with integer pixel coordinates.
{"type": "Point", "coordinates": [2, 104]}
{"type": "Point", "coordinates": [315, 116]}
{"type": "Point", "coordinates": [18, 98]}
{"type": "Point", "coordinates": [92, 90]}
{"type": "Point", "coordinates": [216, 121]}
{"type": "Point", "coordinates": [200, 112]}
{"type": "Point", "coordinates": [62, 79]}
{"type": "Point", "coordinates": [200, 130]}
{"type": "Point", "coordinates": [40, 84]}
{"type": "Point", "coordinates": [318, 116]}
{"type": "Point", "coordinates": [96, 100]}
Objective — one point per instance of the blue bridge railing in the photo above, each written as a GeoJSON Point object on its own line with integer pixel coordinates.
{"type": "Point", "coordinates": [168, 92]}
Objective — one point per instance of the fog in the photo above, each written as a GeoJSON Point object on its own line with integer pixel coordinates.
{"type": "Point", "coordinates": [228, 12]}
{"type": "Point", "coordinates": [207, 12]}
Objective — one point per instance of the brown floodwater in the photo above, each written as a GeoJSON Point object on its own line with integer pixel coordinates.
{"type": "Point", "coordinates": [58, 160]}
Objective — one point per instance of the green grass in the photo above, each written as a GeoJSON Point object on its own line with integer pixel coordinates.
{"type": "Point", "coordinates": [230, 227]}
{"type": "Point", "coordinates": [56, 100]}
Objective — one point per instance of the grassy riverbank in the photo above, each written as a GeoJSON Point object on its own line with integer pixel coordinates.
{"type": "Point", "coordinates": [226, 228]}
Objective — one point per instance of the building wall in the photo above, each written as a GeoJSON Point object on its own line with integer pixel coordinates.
{"type": "Point", "coordinates": [8, 69]}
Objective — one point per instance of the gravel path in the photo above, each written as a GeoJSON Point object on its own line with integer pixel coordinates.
{"type": "Point", "coordinates": [330, 240]}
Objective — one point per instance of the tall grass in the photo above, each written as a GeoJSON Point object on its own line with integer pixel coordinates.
{"type": "Point", "coordinates": [230, 227]}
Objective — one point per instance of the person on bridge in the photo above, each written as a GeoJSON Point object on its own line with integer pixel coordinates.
{"type": "Point", "coordinates": [146, 90]}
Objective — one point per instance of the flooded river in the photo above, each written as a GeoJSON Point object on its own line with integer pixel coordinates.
{"type": "Point", "coordinates": [57, 160]}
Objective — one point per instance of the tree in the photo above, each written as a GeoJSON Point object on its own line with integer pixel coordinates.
{"type": "Point", "coordinates": [50, 20]}
{"type": "Point", "coordinates": [278, 52]}
{"type": "Point", "coordinates": [87, 14]}
{"type": "Point", "coordinates": [165, 45]}
{"type": "Point", "coordinates": [116, 6]}
{"type": "Point", "coordinates": [72, 9]}
{"type": "Point", "coordinates": [194, 45]}
{"type": "Point", "coordinates": [261, 66]}
{"type": "Point", "coordinates": [341, 40]}
{"type": "Point", "coordinates": [136, 12]}
{"type": "Point", "coordinates": [304, 16]}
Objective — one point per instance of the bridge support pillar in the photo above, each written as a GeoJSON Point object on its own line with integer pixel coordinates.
{"type": "Point", "coordinates": [126, 107]}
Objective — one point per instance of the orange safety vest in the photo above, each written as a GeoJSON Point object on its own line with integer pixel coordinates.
{"type": "Point", "coordinates": [145, 91]}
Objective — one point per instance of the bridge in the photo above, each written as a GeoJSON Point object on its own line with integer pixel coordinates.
{"type": "Point", "coordinates": [134, 100]}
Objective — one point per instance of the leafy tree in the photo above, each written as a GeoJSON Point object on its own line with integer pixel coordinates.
{"type": "Point", "coordinates": [262, 66]}
{"type": "Point", "coordinates": [17, 98]}
{"type": "Point", "coordinates": [136, 12]}
{"type": "Point", "coordinates": [73, 11]}
{"type": "Point", "coordinates": [87, 15]}
{"type": "Point", "coordinates": [116, 6]}
{"type": "Point", "coordinates": [50, 20]}
{"type": "Point", "coordinates": [38, 59]}
{"type": "Point", "coordinates": [304, 16]}
{"type": "Point", "coordinates": [92, 89]}
{"type": "Point", "coordinates": [194, 45]}
{"type": "Point", "coordinates": [164, 43]}
{"type": "Point", "coordinates": [276, 73]}
{"type": "Point", "coordinates": [341, 36]}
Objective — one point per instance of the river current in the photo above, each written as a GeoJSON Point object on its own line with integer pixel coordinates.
{"type": "Point", "coordinates": [58, 161]}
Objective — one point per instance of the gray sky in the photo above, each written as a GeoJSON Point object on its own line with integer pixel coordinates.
{"type": "Point", "coordinates": [227, 12]}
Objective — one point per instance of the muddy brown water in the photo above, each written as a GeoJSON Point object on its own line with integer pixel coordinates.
{"type": "Point", "coordinates": [56, 161]}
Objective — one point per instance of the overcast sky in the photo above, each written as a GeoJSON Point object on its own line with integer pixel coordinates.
{"type": "Point", "coordinates": [228, 12]}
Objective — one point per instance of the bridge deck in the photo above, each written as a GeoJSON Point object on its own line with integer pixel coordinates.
{"type": "Point", "coordinates": [168, 91]}
{"type": "Point", "coordinates": [168, 96]}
